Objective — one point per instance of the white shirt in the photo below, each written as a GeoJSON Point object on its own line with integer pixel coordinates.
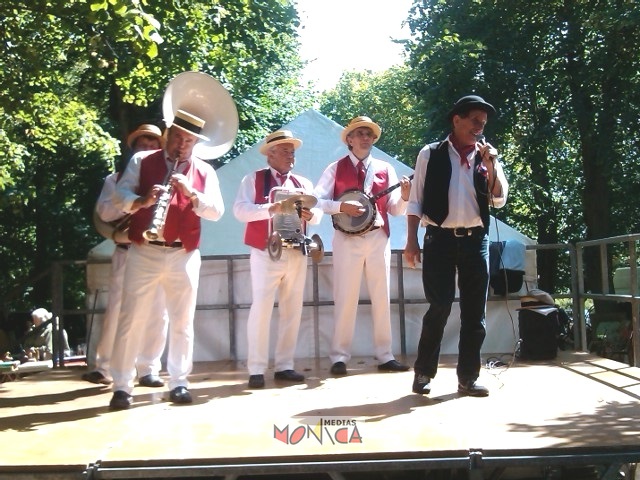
{"type": "Point", "coordinates": [209, 206]}
{"type": "Point", "coordinates": [247, 210]}
{"type": "Point", "coordinates": [107, 211]}
{"type": "Point", "coordinates": [325, 187]}
{"type": "Point", "coordinates": [463, 206]}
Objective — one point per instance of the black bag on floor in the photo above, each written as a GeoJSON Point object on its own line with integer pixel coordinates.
{"type": "Point", "coordinates": [539, 330]}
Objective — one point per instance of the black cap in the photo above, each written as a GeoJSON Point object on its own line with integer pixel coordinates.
{"type": "Point", "coordinates": [470, 102]}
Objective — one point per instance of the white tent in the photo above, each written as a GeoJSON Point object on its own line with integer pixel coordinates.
{"type": "Point", "coordinates": [221, 332]}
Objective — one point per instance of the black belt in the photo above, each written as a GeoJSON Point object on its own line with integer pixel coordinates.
{"type": "Point", "coordinates": [165, 244]}
{"type": "Point", "coordinates": [124, 246]}
{"type": "Point", "coordinates": [457, 232]}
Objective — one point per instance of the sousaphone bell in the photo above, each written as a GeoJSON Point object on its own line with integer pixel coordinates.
{"type": "Point", "coordinates": [205, 97]}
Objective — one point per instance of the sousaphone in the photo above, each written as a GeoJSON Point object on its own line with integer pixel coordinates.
{"type": "Point", "coordinates": [205, 97]}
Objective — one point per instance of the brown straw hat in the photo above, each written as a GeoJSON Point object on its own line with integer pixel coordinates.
{"type": "Point", "coordinates": [144, 130]}
{"type": "Point", "coordinates": [278, 137]}
{"type": "Point", "coordinates": [358, 122]}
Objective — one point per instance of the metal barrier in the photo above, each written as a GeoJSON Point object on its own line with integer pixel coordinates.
{"type": "Point", "coordinates": [577, 292]}
{"type": "Point", "coordinates": [631, 244]}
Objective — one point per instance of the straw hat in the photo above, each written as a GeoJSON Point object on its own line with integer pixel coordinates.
{"type": "Point", "coordinates": [189, 123]}
{"type": "Point", "coordinates": [146, 130]}
{"type": "Point", "coordinates": [358, 122]}
{"type": "Point", "coordinates": [278, 137]}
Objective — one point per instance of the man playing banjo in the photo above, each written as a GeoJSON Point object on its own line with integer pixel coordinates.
{"type": "Point", "coordinates": [361, 242]}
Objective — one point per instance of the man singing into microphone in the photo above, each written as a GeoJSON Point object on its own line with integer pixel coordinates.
{"type": "Point", "coordinates": [455, 182]}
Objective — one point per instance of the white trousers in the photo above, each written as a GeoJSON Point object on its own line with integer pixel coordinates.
{"type": "Point", "coordinates": [176, 272]}
{"type": "Point", "coordinates": [286, 277]}
{"type": "Point", "coordinates": [153, 341]}
{"type": "Point", "coordinates": [355, 257]}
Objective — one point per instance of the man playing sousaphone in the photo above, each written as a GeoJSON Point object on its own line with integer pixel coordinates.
{"type": "Point", "coordinates": [171, 260]}
{"type": "Point", "coordinates": [364, 251]}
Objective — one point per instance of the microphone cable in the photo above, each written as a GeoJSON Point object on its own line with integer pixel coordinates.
{"type": "Point", "coordinates": [496, 365]}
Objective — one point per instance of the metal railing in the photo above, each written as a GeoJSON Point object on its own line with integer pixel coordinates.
{"type": "Point", "coordinates": [577, 292]}
{"type": "Point", "coordinates": [630, 242]}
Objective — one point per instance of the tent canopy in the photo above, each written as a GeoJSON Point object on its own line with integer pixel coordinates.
{"type": "Point", "coordinates": [321, 146]}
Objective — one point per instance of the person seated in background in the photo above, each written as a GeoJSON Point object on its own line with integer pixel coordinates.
{"type": "Point", "coordinates": [37, 343]}
{"type": "Point", "coordinates": [5, 346]}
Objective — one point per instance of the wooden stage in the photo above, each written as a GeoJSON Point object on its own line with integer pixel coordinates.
{"type": "Point", "coordinates": [542, 419]}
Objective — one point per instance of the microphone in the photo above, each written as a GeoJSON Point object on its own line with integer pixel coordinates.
{"type": "Point", "coordinates": [493, 153]}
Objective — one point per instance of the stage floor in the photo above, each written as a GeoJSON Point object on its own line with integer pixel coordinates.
{"type": "Point", "coordinates": [53, 422]}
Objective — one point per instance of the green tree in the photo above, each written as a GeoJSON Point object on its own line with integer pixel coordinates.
{"type": "Point", "coordinates": [566, 86]}
{"type": "Point", "coordinates": [77, 75]}
{"type": "Point", "coordinates": [385, 97]}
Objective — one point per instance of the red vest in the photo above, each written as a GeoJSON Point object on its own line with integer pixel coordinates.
{"type": "Point", "coordinates": [347, 179]}
{"type": "Point", "coordinates": [257, 233]}
{"type": "Point", "coordinates": [182, 224]}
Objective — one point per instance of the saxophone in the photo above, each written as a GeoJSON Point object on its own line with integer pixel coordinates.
{"type": "Point", "coordinates": [161, 207]}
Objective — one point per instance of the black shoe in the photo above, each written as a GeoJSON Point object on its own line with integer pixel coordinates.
{"type": "Point", "coordinates": [180, 395]}
{"type": "Point", "coordinates": [96, 377]}
{"type": "Point", "coordinates": [339, 368]}
{"type": "Point", "coordinates": [472, 389]}
{"type": "Point", "coordinates": [151, 381]}
{"type": "Point", "coordinates": [421, 384]}
{"type": "Point", "coordinates": [289, 376]}
{"type": "Point", "coordinates": [121, 400]}
{"type": "Point", "coordinates": [393, 366]}
{"type": "Point", "coordinates": [256, 381]}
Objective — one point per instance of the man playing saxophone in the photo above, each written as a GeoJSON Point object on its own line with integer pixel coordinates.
{"type": "Point", "coordinates": [170, 261]}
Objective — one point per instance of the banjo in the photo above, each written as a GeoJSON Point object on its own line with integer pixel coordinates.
{"type": "Point", "coordinates": [363, 223]}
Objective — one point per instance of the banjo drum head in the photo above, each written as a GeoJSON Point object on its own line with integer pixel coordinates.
{"type": "Point", "coordinates": [355, 225]}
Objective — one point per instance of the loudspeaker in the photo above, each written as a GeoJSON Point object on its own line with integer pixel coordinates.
{"type": "Point", "coordinates": [539, 331]}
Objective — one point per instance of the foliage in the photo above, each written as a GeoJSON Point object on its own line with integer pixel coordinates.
{"type": "Point", "coordinates": [77, 75]}
{"type": "Point", "coordinates": [387, 99]}
{"type": "Point", "coordinates": [566, 87]}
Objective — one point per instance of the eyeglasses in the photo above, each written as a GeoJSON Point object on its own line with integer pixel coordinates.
{"type": "Point", "coordinates": [362, 133]}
